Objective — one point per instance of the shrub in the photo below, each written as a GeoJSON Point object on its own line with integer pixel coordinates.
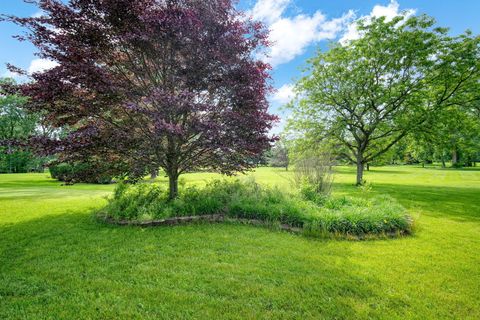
{"type": "Point", "coordinates": [62, 172]}
{"type": "Point", "coordinates": [78, 172]}
{"type": "Point", "coordinates": [458, 165]}
{"type": "Point", "coordinates": [248, 200]}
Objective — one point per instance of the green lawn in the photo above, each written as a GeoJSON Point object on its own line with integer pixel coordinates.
{"type": "Point", "coordinates": [57, 262]}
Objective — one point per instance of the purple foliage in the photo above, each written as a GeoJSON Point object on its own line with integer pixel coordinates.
{"type": "Point", "coordinates": [152, 83]}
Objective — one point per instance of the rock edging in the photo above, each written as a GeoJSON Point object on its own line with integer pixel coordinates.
{"type": "Point", "coordinates": [219, 218]}
{"type": "Point", "coordinates": [200, 218]}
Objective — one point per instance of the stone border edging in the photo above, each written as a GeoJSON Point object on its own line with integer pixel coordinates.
{"type": "Point", "coordinates": [191, 219]}
{"type": "Point", "coordinates": [218, 218]}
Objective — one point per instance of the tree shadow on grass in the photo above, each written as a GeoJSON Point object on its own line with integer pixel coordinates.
{"type": "Point", "coordinates": [352, 170]}
{"type": "Point", "coordinates": [29, 183]}
{"type": "Point", "coordinates": [464, 169]}
{"type": "Point", "coordinates": [43, 195]}
{"type": "Point", "coordinates": [379, 170]}
{"type": "Point", "coordinates": [48, 265]}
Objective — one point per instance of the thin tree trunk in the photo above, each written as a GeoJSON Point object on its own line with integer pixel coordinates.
{"type": "Point", "coordinates": [173, 186]}
{"type": "Point", "coordinates": [9, 157]}
{"type": "Point", "coordinates": [368, 167]}
{"type": "Point", "coordinates": [154, 174]}
{"type": "Point", "coordinates": [454, 156]}
{"type": "Point", "coordinates": [359, 170]}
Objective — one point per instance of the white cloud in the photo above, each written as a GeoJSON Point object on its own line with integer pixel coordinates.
{"type": "Point", "coordinates": [269, 11]}
{"type": "Point", "coordinates": [284, 94]}
{"type": "Point", "coordinates": [39, 65]}
{"type": "Point", "coordinates": [389, 12]}
{"type": "Point", "coordinates": [290, 36]}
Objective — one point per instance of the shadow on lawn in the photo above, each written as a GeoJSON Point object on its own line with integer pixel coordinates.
{"type": "Point", "coordinates": [352, 170]}
{"type": "Point", "coordinates": [31, 183]}
{"type": "Point", "coordinates": [379, 170]}
{"type": "Point", "coordinates": [195, 269]}
{"type": "Point", "coordinates": [38, 195]}
{"type": "Point", "coordinates": [439, 168]}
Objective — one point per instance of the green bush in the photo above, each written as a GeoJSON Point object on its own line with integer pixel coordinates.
{"type": "Point", "coordinates": [317, 215]}
{"type": "Point", "coordinates": [78, 172]}
{"type": "Point", "coordinates": [458, 165]}
{"type": "Point", "coordinates": [62, 172]}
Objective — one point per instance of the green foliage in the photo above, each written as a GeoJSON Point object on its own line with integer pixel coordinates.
{"type": "Point", "coordinates": [15, 122]}
{"type": "Point", "coordinates": [454, 136]}
{"type": "Point", "coordinates": [15, 161]}
{"type": "Point", "coordinates": [361, 217]}
{"type": "Point", "coordinates": [78, 172]}
{"type": "Point", "coordinates": [310, 192]}
{"type": "Point", "coordinates": [370, 93]}
{"type": "Point", "coordinates": [279, 155]}
{"type": "Point", "coordinates": [316, 213]}
{"type": "Point", "coordinates": [16, 125]}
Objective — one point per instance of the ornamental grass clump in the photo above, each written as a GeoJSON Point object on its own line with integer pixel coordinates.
{"type": "Point", "coordinates": [380, 215]}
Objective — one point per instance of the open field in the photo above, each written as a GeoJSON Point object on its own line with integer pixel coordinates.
{"type": "Point", "coordinates": [57, 262]}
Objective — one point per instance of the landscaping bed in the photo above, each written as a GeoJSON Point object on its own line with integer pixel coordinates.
{"type": "Point", "coordinates": [248, 202]}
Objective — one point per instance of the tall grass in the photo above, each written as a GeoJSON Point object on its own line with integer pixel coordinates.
{"type": "Point", "coordinates": [317, 216]}
{"type": "Point", "coordinates": [314, 175]}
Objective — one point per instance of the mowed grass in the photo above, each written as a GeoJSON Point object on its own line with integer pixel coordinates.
{"type": "Point", "coordinates": [57, 262]}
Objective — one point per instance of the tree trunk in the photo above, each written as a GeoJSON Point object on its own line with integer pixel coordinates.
{"type": "Point", "coordinates": [154, 174]}
{"type": "Point", "coordinates": [368, 167]}
{"type": "Point", "coordinates": [9, 157]}
{"type": "Point", "coordinates": [359, 170]}
{"type": "Point", "coordinates": [173, 186]}
{"type": "Point", "coordinates": [454, 156]}
{"type": "Point", "coordinates": [443, 162]}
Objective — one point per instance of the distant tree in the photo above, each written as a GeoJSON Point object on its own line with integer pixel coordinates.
{"type": "Point", "coordinates": [147, 84]}
{"type": "Point", "coordinates": [421, 150]}
{"type": "Point", "coordinates": [279, 155]}
{"type": "Point", "coordinates": [453, 135]}
{"type": "Point", "coordinates": [16, 125]}
{"type": "Point", "coordinates": [370, 93]}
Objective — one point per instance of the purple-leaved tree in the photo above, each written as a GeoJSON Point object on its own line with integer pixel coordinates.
{"type": "Point", "coordinates": [142, 84]}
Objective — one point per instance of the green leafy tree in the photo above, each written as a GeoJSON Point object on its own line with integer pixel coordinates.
{"type": "Point", "coordinates": [453, 135]}
{"type": "Point", "coordinates": [15, 125]}
{"type": "Point", "coordinates": [370, 93]}
{"type": "Point", "coordinates": [278, 156]}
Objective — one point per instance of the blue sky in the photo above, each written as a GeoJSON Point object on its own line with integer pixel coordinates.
{"type": "Point", "coordinates": [298, 27]}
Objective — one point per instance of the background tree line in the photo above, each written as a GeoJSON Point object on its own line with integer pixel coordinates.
{"type": "Point", "coordinates": [17, 125]}
{"type": "Point", "coordinates": [404, 92]}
